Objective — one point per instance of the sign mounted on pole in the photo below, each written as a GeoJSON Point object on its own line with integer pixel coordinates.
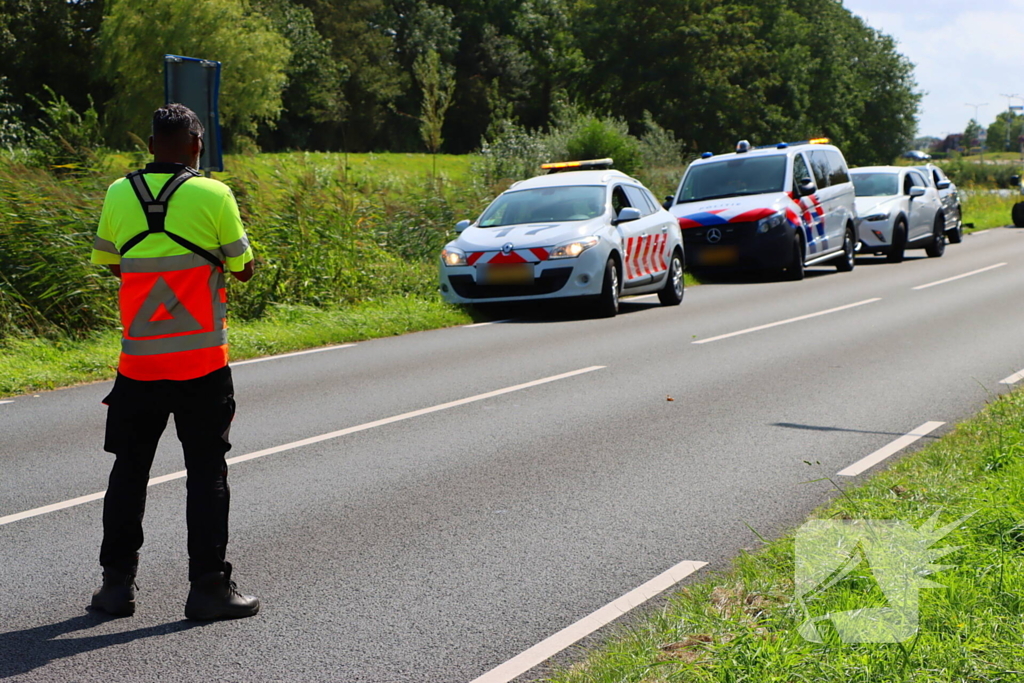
{"type": "Point", "coordinates": [196, 84]}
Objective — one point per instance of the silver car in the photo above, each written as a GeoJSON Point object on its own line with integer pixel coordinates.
{"type": "Point", "coordinates": [897, 209]}
{"type": "Point", "coordinates": [950, 201]}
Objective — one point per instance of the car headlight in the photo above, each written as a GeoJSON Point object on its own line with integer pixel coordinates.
{"type": "Point", "coordinates": [773, 221]}
{"type": "Point", "coordinates": [574, 248]}
{"type": "Point", "coordinates": [877, 217]}
{"type": "Point", "coordinates": [453, 256]}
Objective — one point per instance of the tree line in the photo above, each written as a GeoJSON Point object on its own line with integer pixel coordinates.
{"type": "Point", "coordinates": [410, 75]}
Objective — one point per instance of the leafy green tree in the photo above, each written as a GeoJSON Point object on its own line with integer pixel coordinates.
{"type": "Point", "coordinates": [313, 95]}
{"type": "Point", "coordinates": [437, 82]}
{"type": "Point", "coordinates": [365, 47]}
{"type": "Point", "coordinates": [972, 135]}
{"type": "Point", "coordinates": [136, 34]}
{"type": "Point", "coordinates": [48, 43]}
{"type": "Point", "coordinates": [1005, 131]}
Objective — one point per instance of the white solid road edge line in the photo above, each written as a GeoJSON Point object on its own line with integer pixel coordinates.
{"type": "Point", "coordinates": [889, 450]}
{"type": "Point", "coordinates": [957, 277]}
{"type": "Point", "coordinates": [786, 322]}
{"type": "Point", "coordinates": [295, 353]}
{"type": "Point", "coordinates": [305, 442]}
{"type": "Point", "coordinates": [3, 402]}
{"type": "Point", "coordinates": [491, 322]}
{"type": "Point", "coordinates": [554, 644]}
{"type": "Point", "coordinates": [1012, 379]}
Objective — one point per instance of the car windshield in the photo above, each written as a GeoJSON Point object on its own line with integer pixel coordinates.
{"type": "Point", "coordinates": [876, 184]}
{"type": "Point", "coordinates": [734, 178]}
{"type": "Point", "coordinates": [545, 205]}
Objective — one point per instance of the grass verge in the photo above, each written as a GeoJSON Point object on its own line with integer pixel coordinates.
{"type": "Point", "coordinates": [33, 364]}
{"type": "Point", "coordinates": [742, 625]}
{"type": "Point", "coordinates": [986, 210]}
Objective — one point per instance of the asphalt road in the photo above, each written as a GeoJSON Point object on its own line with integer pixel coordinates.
{"type": "Point", "coordinates": [435, 546]}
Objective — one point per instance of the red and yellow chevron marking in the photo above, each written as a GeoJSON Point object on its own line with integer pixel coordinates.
{"type": "Point", "coordinates": [534, 255]}
{"type": "Point", "coordinates": [645, 255]}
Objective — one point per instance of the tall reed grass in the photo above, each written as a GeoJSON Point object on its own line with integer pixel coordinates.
{"type": "Point", "coordinates": [322, 238]}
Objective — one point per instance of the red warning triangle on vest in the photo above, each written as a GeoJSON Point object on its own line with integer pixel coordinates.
{"type": "Point", "coordinates": [161, 314]}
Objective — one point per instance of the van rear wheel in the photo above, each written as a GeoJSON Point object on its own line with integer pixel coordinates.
{"type": "Point", "coordinates": [848, 259]}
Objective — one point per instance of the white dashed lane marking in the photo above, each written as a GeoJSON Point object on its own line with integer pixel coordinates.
{"type": "Point", "coordinates": [891, 449]}
{"type": "Point", "coordinates": [786, 322]}
{"type": "Point", "coordinates": [554, 644]}
{"type": "Point", "coordinates": [311, 440]}
{"type": "Point", "coordinates": [958, 277]}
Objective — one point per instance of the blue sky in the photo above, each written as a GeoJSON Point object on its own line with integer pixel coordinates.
{"type": "Point", "coordinates": [963, 51]}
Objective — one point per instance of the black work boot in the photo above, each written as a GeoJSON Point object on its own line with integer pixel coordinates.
{"type": "Point", "coordinates": [116, 596]}
{"type": "Point", "coordinates": [215, 596]}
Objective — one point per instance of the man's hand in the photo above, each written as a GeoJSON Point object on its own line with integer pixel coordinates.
{"type": "Point", "coordinates": [245, 274]}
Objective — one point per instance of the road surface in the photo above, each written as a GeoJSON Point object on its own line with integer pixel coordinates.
{"type": "Point", "coordinates": [425, 508]}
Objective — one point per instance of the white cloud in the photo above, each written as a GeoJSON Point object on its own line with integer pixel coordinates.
{"type": "Point", "coordinates": [963, 52]}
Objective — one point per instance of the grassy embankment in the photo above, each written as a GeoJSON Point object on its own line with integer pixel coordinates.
{"type": "Point", "coordinates": [346, 249]}
{"type": "Point", "coordinates": [345, 253]}
{"type": "Point", "coordinates": [985, 210]}
{"type": "Point", "coordinates": [741, 625]}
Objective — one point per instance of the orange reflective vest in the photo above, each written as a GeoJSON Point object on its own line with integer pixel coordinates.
{"type": "Point", "coordinates": [173, 308]}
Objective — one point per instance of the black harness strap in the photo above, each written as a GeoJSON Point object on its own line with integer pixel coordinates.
{"type": "Point", "coordinates": [156, 212]}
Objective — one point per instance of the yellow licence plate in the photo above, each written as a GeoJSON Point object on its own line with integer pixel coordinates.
{"type": "Point", "coordinates": [717, 256]}
{"type": "Point", "coordinates": [511, 274]}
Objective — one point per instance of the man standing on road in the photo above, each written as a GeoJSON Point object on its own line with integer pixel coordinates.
{"type": "Point", "coordinates": [170, 234]}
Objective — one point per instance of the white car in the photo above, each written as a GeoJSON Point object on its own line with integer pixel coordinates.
{"type": "Point", "coordinates": [582, 234]}
{"type": "Point", "coordinates": [899, 210]}
{"type": "Point", "coordinates": [784, 206]}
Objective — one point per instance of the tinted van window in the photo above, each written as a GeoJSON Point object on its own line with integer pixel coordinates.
{"type": "Point", "coordinates": [820, 167]}
{"type": "Point", "coordinates": [839, 174]}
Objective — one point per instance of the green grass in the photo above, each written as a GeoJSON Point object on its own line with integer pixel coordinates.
{"type": "Point", "coordinates": [34, 364]}
{"type": "Point", "coordinates": [986, 210]}
{"type": "Point", "coordinates": [741, 625]}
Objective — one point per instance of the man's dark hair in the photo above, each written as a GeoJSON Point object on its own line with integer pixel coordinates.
{"type": "Point", "coordinates": [174, 119]}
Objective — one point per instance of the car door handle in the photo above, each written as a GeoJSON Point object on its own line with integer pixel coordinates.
{"type": "Point", "coordinates": [664, 228]}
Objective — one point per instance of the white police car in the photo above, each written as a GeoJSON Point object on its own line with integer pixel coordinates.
{"type": "Point", "coordinates": [784, 206]}
{"type": "Point", "coordinates": [582, 231]}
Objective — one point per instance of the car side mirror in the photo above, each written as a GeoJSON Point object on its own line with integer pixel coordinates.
{"type": "Point", "coordinates": [807, 187]}
{"type": "Point", "coordinates": [628, 214]}
{"type": "Point", "coordinates": [462, 225]}
{"type": "Point", "coordinates": [942, 184]}
{"type": "Point", "coordinates": [1015, 180]}
{"type": "Point", "coordinates": [667, 204]}
{"type": "Point", "coordinates": [917, 191]}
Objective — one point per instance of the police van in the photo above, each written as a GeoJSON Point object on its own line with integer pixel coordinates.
{"type": "Point", "coordinates": [779, 207]}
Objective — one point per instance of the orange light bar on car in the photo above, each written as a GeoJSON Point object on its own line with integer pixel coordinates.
{"type": "Point", "coordinates": [555, 165]}
{"type": "Point", "coordinates": [819, 141]}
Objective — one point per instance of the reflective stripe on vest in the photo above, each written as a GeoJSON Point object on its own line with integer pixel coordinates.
{"type": "Point", "coordinates": [173, 308]}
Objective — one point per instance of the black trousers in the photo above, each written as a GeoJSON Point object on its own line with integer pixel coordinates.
{"type": "Point", "coordinates": [136, 417]}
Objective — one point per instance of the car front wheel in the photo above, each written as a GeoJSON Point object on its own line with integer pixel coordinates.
{"type": "Point", "coordinates": [1018, 215]}
{"type": "Point", "coordinates": [608, 301]}
{"type": "Point", "coordinates": [899, 243]}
